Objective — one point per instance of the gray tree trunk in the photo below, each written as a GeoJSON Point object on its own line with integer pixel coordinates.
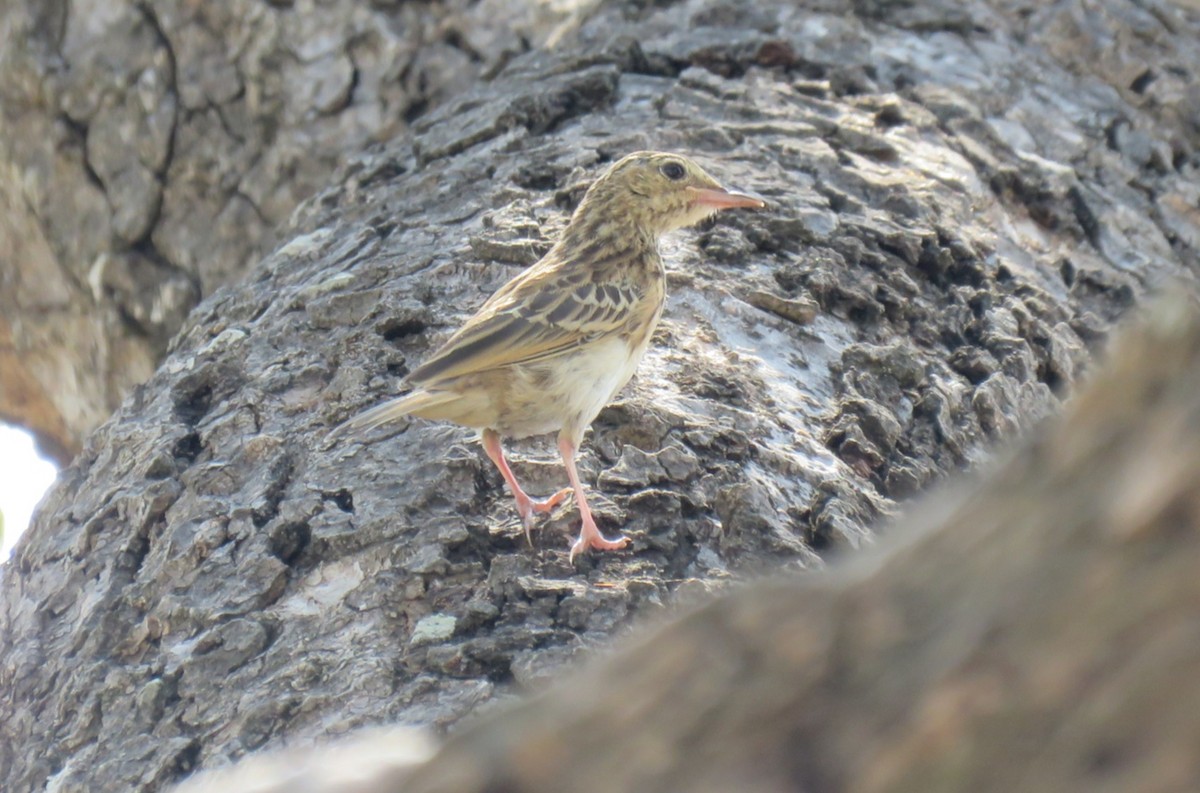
{"type": "Point", "coordinates": [965, 197]}
{"type": "Point", "coordinates": [1033, 633]}
{"type": "Point", "coordinates": [148, 151]}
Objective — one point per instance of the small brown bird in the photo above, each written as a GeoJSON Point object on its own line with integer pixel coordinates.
{"type": "Point", "coordinates": [556, 343]}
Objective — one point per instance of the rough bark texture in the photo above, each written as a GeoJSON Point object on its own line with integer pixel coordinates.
{"type": "Point", "coordinates": [965, 197]}
{"type": "Point", "coordinates": [148, 151]}
{"type": "Point", "coordinates": [1036, 633]}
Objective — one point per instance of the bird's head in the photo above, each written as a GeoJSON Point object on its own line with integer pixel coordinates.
{"type": "Point", "coordinates": [657, 192]}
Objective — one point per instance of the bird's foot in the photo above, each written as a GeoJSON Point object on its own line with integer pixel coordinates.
{"type": "Point", "coordinates": [548, 504]}
{"type": "Point", "coordinates": [527, 507]}
{"type": "Point", "coordinates": [590, 537]}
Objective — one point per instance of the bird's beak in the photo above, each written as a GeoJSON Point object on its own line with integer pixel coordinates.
{"type": "Point", "coordinates": [720, 198]}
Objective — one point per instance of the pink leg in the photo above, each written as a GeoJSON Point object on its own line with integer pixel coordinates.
{"type": "Point", "coordinates": [589, 535]}
{"type": "Point", "coordinates": [526, 506]}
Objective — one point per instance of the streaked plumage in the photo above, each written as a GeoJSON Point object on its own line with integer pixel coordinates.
{"type": "Point", "coordinates": [548, 350]}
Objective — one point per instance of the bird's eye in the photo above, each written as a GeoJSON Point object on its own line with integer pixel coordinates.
{"type": "Point", "coordinates": [673, 171]}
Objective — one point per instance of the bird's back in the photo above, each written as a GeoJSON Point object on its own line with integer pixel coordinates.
{"type": "Point", "coordinates": [551, 347]}
{"type": "Point", "coordinates": [568, 300]}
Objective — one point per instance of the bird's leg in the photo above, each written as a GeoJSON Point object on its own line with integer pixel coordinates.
{"type": "Point", "coordinates": [526, 506]}
{"type": "Point", "coordinates": [589, 535]}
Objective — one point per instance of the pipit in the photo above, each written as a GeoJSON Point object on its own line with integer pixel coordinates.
{"type": "Point", "coordinates": [548, 350]}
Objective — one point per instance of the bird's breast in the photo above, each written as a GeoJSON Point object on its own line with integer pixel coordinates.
{"type": "Point", "coordinates": [568, 391]}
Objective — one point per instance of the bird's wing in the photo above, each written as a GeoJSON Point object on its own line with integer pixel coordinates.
{"type": "Point", "coordinates": [542, 315]}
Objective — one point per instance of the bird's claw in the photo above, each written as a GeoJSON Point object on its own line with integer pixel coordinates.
{"type": "Point", "coordinates": [529, 507]}
{"type": "Point", "coordinates": [590, 537]}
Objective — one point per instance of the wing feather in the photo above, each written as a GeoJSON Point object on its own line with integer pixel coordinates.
{"type": "Point", "coordinates": [538, 318]}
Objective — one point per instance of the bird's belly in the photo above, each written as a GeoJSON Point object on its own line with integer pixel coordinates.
{"type": "Point", "coordinates": [568, 391]}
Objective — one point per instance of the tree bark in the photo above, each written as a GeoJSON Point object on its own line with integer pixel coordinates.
{"type": "Point", "coordinates": [965, 198]}
{"type": "Point", "coordinates": [1033, 632]}
{"type": "Point", "coordinates": [148, 151]}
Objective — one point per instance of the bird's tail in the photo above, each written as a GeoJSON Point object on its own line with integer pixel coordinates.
{"type": "Point", "coordinates": [388, 411]}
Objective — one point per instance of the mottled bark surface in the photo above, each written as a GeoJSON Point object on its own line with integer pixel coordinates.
{"type": "Point", "coordinates": [1034, 633]}
{"type": "Point", "coordinates": [148, 151]}
{"type": "Point", "coordinates": [964, 199]}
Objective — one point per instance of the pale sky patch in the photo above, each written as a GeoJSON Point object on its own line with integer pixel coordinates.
{"type": "Point", "coordinates": [24, 478]}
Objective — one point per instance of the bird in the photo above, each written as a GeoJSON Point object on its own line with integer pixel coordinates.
{"type": "Point", "coordinates": [554, 345]}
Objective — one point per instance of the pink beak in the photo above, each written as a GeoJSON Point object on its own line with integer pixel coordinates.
{"type": "Point", "coordinates": [725, 199]}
